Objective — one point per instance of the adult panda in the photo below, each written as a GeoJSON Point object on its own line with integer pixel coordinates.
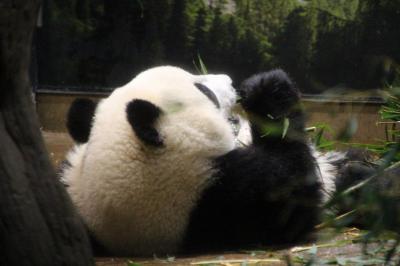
{"type": "Point", "coordinates": [159, 172]}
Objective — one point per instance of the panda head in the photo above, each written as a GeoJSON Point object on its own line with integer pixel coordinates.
{"type": "Point", "coordinates": [161, 107]}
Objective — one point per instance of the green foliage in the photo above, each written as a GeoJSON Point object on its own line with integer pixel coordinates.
{"type": "Point", "coordinates": [391, 110]}
{"type": "Point", "coordinates": [388, 150]}
{"type": "Point", "coordinates": [300, 29]}
{"type": "Point", "coordinates": [200, 32]}
{"type": "Point", "coordinates": [374, 201]}
{"type": "Point", "coordinates": [318, 137]}
{"type": "Point", "coordinates": [265, 17]}
{"type": "Point", "coordinates": [321, 43]}
{"type": "Point", "coordinates": [131, 263]}
{"type": "Point", "coordinates": [342, 9]}
{"type": "Point", "coordinates": [177, 35]}
{"type": "Point", "coordinates": [200, 66]}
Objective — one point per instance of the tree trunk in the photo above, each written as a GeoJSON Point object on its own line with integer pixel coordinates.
{"type": "Point", "coordinates": [38, 225]}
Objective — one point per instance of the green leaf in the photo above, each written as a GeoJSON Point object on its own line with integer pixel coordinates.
{"type": "Point", "coordinates": [341, 261]}
{"type": "Point", "coordinates": [131, 263]}
{"type": "Point", "coordinates": [318, 137]}
{"type": "Point", "coordinates": [286, 124]}
{"type": "Point", "coordinates": [203, 68]}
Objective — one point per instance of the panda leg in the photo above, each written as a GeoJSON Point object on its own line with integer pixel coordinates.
{"type": "Point", "coordinates": [267, 193]}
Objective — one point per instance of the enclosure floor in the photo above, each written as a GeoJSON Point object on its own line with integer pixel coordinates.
{"type": "Point", "coordinates": [57, 145]}
{"type": "Point", "coordinates": [325, 251]}
{"type": "Point", "coordinates": [331, 248]}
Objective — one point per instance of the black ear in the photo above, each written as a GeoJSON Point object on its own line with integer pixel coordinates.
{"type": "Point", "coordinates": [79, 119]}
{"type": "Point", "coordinates": [142, 115]}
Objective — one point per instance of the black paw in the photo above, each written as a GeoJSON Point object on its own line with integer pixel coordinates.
{"type": "Point", "coordinates": [269, 94]}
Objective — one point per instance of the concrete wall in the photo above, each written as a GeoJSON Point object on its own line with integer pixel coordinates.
{"type": "Point", "coordinates": [338, 115]}
{"type": "Point", "coordinates": [52, 109]}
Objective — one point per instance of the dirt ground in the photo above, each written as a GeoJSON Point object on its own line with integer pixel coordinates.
{"type": "Point", "coordinates": [331, 248]}
{"type": "Point", "coordinates": [57, 145]}
{"type": "Point", "coordinates": [300, 255]}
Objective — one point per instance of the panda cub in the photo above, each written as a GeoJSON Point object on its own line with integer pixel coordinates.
{"type": "Point", "coordinates": [157, 169]}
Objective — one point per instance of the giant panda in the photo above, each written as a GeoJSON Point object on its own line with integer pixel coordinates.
{"type": "Point", "coordinates": [157, 168]}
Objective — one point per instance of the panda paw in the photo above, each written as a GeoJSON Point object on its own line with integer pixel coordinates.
{"type": "Point", "coordinates": [269, 94]}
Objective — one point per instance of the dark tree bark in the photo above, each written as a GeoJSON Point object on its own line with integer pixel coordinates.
{"type": "Point", "coordinates": [38, 225]}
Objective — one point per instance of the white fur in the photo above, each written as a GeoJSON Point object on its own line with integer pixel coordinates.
{"type": "Point", "coordinates": [244, 137]}
{"type": "Point", "coordinates": [75, 159]}
{"type": "Point", "coordinates": [327, 170]}
{"type": "Point", "coordinates": [221, 85]}
{"type": "Point", "coordinates": [137, 199]}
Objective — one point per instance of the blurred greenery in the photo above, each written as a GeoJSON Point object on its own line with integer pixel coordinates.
{"type": "Point", "coordinates": [319, 137]}
{"type": "Point", "coordinates": [388, 150]}
{"type": "Point", "coordinates": [373, 202]}
{"type": "Point", "coordinates": [323, 44]}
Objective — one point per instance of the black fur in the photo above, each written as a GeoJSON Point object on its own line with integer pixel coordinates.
{"type": "Point", "coordinates": [267, 193]}
{"type": "Point", "coordinates": [356, 166]}
{"type": "Point", "coordinates": [142, 116]}
{"type": "Point", "coordinates": [79, 119]}
{"type": "Point", "coordinates": [98, 249]}
{"type": "Point", "coordinates": [269, 94]}
{"type": "Point", "coordinates": [207, 92]}
{"type": "Point", "coordinates": [272, 102]}
{"type": "Point", "coordinates": [377, 201]}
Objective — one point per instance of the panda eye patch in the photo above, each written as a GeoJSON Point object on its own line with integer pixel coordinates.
{"type": "Point", "coordinates": [207, 92]}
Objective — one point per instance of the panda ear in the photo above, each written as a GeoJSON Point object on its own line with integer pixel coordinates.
{"type": "Point", "coordinates": [142, 116]}
{"type": "Point", "coordinates": [79, 119]}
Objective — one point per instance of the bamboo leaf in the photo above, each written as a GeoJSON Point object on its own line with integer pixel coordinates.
{"type": "Point", "coordinates": [286, 124]}
{"type": "Point", "coordinates": [203, 68]}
